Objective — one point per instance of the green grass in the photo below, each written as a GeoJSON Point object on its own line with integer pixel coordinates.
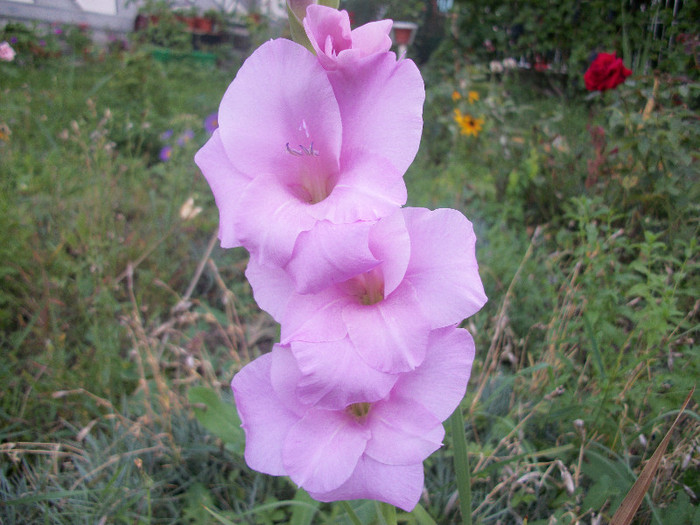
{"type": "Point", "coordinates": [586, 348]}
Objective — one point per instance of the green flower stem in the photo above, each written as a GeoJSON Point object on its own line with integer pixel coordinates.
{"type": "Point", "coordinates": [461, 459]}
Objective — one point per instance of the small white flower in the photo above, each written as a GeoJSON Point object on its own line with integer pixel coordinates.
{"type": "Point", "coordinates": [510, 63]}
{"type": "Point", "coordinates": [188, 210]}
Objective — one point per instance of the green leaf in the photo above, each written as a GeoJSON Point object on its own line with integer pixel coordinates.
{"type": "Point", "coordinates": [260, 510]}
{"type": "Point", "coordinates": [387, 513]}
{"type": "Point", "coordinates": [350, 512]}
{"type": "Point", "coordinates": [218, 417]}
{"type": "Point", "coordinates": [461, 461]}
{"type": "Point", "coordinates": [297, 29]}
{"type": "Point", "coordinates": [628, 508]}
{"type": "Point", "coordinates": [594, 343]}
{"type": "Point", "coordinates": [422, 516]}
{"type": "Point", "coordinates": [643, 145]}
{"type": "Point", "coordinates": [221, 519]}
{"type": "Point", "coordinates": [304, 515]}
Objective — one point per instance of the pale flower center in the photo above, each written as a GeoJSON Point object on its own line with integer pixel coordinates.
{"type": "Point", "coordinates": [313, 183]}
{"type": "Point", "coordinates": [359, 410]}
{"type": "Point", "coordinates": [368, 287]}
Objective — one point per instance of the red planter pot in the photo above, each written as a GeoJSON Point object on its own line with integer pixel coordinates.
{"type": "Point", "coordinates": [203, 25]}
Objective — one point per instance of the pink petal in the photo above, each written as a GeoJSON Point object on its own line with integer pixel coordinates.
{"type": "Point", "coordinates": [315, 317]}
{"type": "Point", "coordinates": [330, 253]}
{"type": "Point", "coordinates": [401, 486]}
{"type": "Point", "coordinates": [334, 376]}
{"type": "Point", "coordinates": [226, 183]}
{"type": "Point", "coordinates": [265, 420]}
{"type": "Point", "coordinates": [284, 378]}
{"type": "Point", "coordinates": [440, 382]}
{"type": "Point", "coordinates": [403, 432]}
{"type": "Point", "coordinates": [321, 450]}
{"type": "Point", "coordinates": [391, 244]}
{"type": "Point", "coordinates": [334, 43]}
{"type": "Point", "coordinates": [281, 95]}
{"type": "Point", "coordinates": [368, 187]}
{"type": "Point", "coordinates": [443, 267]}
{"type": "Point", "coordinates": [272, 221]}
{"type": "Point", "coordinates": [372, 38]}
{"type": "Point", "coordinates": [272, 287]}
{"type": "Point", "coordinates": [391, 335]}
{"type": "Point", "coordinates": [381, 106]}
{"type": "Point", "coordinates": [329, 32]}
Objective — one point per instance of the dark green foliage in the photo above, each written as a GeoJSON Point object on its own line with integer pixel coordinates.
{"type": "Point", "coordinates": [648, 35]}
{"type": "Point", "coordinates": [586, 215]}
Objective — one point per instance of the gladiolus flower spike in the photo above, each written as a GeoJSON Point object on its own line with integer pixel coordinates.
{"type": "Point", "coordinates": [306, 167]}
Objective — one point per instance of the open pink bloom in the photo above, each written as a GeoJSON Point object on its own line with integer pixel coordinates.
{"type": "Point", "coordinates": [424, 276]}
{"type": "Point", "coordinates": [335, 44]}
{"type": "Point", "coordinates": [363, 450]}
{"type": "Point", "coordinates": [292, 150]}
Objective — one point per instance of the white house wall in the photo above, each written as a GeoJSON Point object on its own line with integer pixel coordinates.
{"type": "Point", "coordinates": [118, 15]}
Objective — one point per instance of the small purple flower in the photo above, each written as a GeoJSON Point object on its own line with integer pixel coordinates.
{"type": "Point", "coordinates": [57, 31]}
{"type": "Point", "coordinates": [166, 134]}
{"type": "Point", "coordinates": [166, 153]}
{"type": "Point", "coordinates": [13, 40]}
{"type": "Point", "coordinates": [42, 43]}
{"type": "Point", "coordinates": [211, 122]}
{"type": "Point", "coordinates": [186, 136]}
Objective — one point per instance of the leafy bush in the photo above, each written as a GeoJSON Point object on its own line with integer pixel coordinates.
{"type": "Point", "coordinates": [648, 35]}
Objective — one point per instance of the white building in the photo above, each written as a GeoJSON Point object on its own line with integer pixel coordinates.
{"type": "Point", "coordinates": [118, 15]}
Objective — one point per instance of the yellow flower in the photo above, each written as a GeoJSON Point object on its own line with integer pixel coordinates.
{"type": "Point", "coordinates": [468, 125]}
{"type": "Point", "coordinates": [4, 132]}
{"type": "Point", "coordinates": [473, 96]}
{"type": "Point", "coordinates": [456, 96]}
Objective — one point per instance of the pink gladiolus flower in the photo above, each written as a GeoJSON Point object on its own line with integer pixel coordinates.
{"type": "Point", "coordinates": [7, 54]}
{"type": "Point", "coordinates": [363, 450]}
{"type": "Point", "coordinates": [336, 45]}
{"type": "Point", "coordinates": [352, 334]}
{"type": "Point", "coordinates": [306, 149]}
{"type": "Point", "coordinates": [306, 166]}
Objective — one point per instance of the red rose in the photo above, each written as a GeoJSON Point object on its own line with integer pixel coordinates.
{"type": "Point", "coordinates": [606, 72]}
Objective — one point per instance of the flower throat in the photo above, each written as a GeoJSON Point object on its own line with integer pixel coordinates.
{"type": "Point", "coordinates": [313, 184]}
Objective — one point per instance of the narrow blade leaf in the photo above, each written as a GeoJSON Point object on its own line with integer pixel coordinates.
{"type": "Point", "coordinates": [628, 508]}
